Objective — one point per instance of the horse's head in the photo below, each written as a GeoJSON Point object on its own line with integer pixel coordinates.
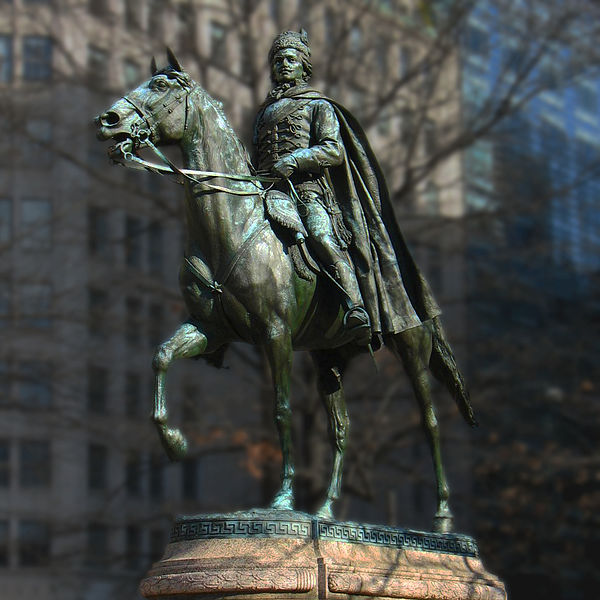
{"type": "Point", "coordinates": [157, 110]}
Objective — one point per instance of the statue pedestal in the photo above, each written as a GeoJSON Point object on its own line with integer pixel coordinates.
{"type": "Point", "coordinates": [264, 554]}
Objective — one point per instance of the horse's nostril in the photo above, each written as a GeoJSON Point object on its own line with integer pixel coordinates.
{"type": "Point", "coordinates": [110, 118]}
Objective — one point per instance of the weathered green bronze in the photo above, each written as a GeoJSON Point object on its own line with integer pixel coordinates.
{"type": "Point", "coordinates": [249, 272]}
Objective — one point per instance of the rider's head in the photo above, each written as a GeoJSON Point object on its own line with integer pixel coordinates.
{"type": "Point", "coordinates": [289, 58]}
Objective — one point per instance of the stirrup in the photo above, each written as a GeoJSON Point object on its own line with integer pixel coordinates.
{"type": "Point", "coordinates": [356, 321]}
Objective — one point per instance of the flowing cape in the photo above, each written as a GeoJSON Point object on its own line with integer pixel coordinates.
{"type": "Point", "coordinates": [395, 292]}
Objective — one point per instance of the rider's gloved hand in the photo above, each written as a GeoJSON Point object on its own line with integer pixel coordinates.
{"type": "Point", "coordinates": [284, 167]}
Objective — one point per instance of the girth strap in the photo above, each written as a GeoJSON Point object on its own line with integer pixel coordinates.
{"type": "Point", "coordinates": [216, 286]}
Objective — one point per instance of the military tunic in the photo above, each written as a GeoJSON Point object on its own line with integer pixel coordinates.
{"type": "Point", "coordinates": [308, 131]}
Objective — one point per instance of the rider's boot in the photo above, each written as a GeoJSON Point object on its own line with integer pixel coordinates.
{"type": "Point", "coordinates": [356, 320]}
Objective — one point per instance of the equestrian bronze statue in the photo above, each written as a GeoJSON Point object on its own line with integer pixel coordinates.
{"type": "Point", "coordinates": [300, 251]}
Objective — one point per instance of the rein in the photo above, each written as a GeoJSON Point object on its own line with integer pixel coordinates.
{"type": "Point", "coordinates": [169, 168]}
{"type": "Point", "coordinates": [142, 138]}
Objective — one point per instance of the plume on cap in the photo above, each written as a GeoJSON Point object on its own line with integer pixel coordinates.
{"type": "Point", "coordinates": [298, 40]}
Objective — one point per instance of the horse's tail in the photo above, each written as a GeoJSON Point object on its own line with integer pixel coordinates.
{"type": "Point", "coordinates": [443, 366]}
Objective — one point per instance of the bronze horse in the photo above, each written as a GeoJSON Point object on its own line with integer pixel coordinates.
{"type": "Point", "coordinates": [239, 283]}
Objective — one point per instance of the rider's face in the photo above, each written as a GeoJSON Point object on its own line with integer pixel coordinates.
{"type": "Point", "coordinates": [287, 66]}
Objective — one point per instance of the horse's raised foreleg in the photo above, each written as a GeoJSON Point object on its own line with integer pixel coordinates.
{"type": "Point", "coordinates": [279, 354]}
{"type": "Point", "coordinates": [186, 342]}
{"type": "Point", "coordinates": [414, 348]}
{"type": "Point", "coordinates": [330, 367]}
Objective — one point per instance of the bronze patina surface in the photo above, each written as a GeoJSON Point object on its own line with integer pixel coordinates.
{"type": "Point", "coordinates": [316, 263]}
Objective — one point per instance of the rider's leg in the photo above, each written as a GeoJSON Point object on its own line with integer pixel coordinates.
{"type": "Point", "coordinates": [323, 242]}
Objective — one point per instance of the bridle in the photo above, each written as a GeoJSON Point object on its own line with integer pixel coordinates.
{"type": "Point", "coordinates": [142, 137]}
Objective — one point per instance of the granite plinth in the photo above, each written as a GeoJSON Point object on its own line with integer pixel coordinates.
{"type": "Point", "coordinates": [284, 554]}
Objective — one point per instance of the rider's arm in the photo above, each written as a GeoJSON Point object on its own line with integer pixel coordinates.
{"type": "Point", "coordinates": [326, 149]}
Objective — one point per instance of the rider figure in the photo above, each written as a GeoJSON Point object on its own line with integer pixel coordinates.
{"type": "Point", "coordinates": [298, 138]}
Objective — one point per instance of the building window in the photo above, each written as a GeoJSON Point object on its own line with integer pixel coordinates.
{"type": "Point", "coordinates": [431, 202]}
{"type": "Point", "coordinates": [155, 326]}
{"type": "Point", "coordinates": [4, 464]}
{"type": "Point", "coordinates": [133, 241]}
{"type": "Point", "coordinates": [429, 138]}
{"type": "Point", "coordinates": [407, 127]}
{"type": "Point", "coordinates": [246, 58]}
{"type": "Point", "coordinates": [132, 74]}
{"type": "Point", "coordinates": [156, 484]}
{"type": "Point", "coordinates": [428, 80]}
{"type": "Point", "coordinates": [133, 543]}
{"type": "Point", "coordinates": [133, 386]}
{"type": "Point", "coordinates": [97, 545]}
{"type": "Point", "coordinates": [479, 165]}
{"type": "Point", "coordinates": [37, 58]}
{"type": "Point", "coordinates": [405, 61]}
{"type": "Point", "coordinates": [275, 11]}
{"type": "Point", "coordinates": [218, 44]}
{"type": "Point", "coordinates": [186, 25]}
{"type": "Point", "coordinates": [157, 544]}
{"type": "Point", "coordinates": [5, 220]}
{"type": "Point", "coordinates": [155, 246]}
{"type": "Point", "coordinates": [97, 308]}
{"type": "Point", "coordinates": [99, 8]}
{"type": "Point", "coordinates": [4, 548]}
{"type": "Point", "coordinates": [34, 389]}
{"type": "Point", "coordinates": [133, 481]}
{"type": "Point", "coordinates": [381, 55]}
{"type": "Point", "coordinates": [133, 322]}
{"type": "Point", "coordinates": [434, 267]}
{"type": "Point", "coordinates": [35, 305]}
{"type": "Point", "coordinates": [477, 41]}
{"type": "Point", "coordinates": [97, 389]}
{"type": "Point", "coordinates": [132, 14]}
{"type": "Point", "coordinates": [36, 223]}
{"type": "Point", "coordinates": [586, 96]}
{"type": "Point", "coordinates": [156, 17]}
{"type": "Point", "coordinates": [98, 232]}
{"type": "Point", "coordinates": [357, 101]}
{"type": "Point", "coordinates": [6, 58]}
{"type": "Point", "coordinates": [189, 479]}
{"type": "Point", "coordinates": [303, 13]}
{"type": "Point", "coordinates": [34, 543]}
{"type": "Point", "coordinates": [384, 123]}
{"type": "Point", "coordinates": [355, 41]}
{"type": "Point", "coordinates": [330, 28]}
{"type": "Point", "coordinates": [36, 145]}
{"type": "Point", "coordinates": [98, 71]}
{"type": "Point", "coordinates": [5, 306]}
{"type": "Point", "coordinates": [97, 467]}
{"type": "Point", "coordinates": [35, 464]}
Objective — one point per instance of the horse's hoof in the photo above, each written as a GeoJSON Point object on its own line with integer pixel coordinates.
{"type": "Point", "coordinates": [326, 511]}
{"type": "Point", "coordinates": [284, 500]}
{"type": "Point", "coordinates": [443, 523]}
{"type": "Point", "coordinates": [173, 442]}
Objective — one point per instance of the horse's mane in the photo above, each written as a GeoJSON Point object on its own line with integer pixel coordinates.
{"type": "Point", "coordinates": [222, 122]}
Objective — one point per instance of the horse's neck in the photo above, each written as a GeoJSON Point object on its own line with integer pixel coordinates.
{"type": "Point", "coordinates": [218, 222]}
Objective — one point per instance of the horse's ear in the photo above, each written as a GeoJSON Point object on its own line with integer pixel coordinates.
{"type": "Point", "coordinates": [173, 60]}
{"type": "Point", "coordinates": [153, 67]}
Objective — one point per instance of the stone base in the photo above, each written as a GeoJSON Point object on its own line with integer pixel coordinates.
{"type": "Point", "coordinates": [283, 554]}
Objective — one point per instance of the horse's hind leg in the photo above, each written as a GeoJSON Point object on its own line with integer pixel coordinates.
{"type": "Point", "coordinates": [414, 348]}
{"type": "Point", "coordinates": [279, 354]}
{"type": "Point", "coordinates": [186, 342]}
{"type": "Point", "coordinates": [330, 367]}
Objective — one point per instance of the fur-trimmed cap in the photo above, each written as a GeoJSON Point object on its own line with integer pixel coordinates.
{"type": "Point", "coordinates": [298, 40]}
